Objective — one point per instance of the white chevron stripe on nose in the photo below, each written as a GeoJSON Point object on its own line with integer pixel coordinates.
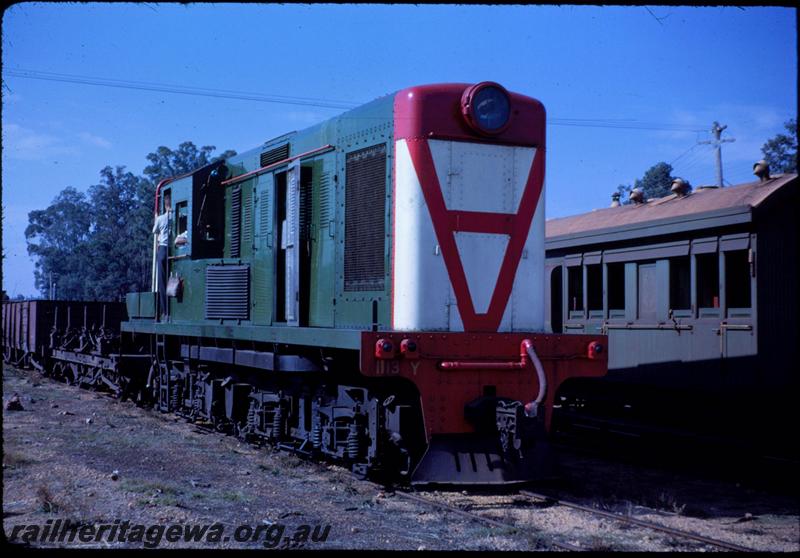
{"type": "Point", "coordinates": [481, 256]}
{"type": "Point", "coordinates": [481, 177]}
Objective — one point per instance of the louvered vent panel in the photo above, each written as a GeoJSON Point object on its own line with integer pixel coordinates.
{"type": "Point", "coordinates": [306, 211]}
{"type": "Point", "coordinates": [247, 222]}
{"type": "Point", "coordinates": [228, 292]}
{"type": "Point", "coordinates": [365, 192]}
{"type": "Point", "coordinates": [236, 222]}
{"type": "Point", "coordinates": [275, 155]}
{"type": "Point", "coordinates": [324, 199]}
{"type": "Point", "coordinates": [266, 225]}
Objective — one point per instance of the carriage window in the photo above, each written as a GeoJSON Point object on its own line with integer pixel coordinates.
{"type": "Point", "coordinates": [680, 279]}
{"type": "Point", "coordinates": [616, 289]}
{"type": "Point", "coordinates": [182, 217]}
{"type": "Point", "coordinates": [737, 279]}
{"type": "Point", "coordinates": [707, 280]}
{"type": "Point", "coordinates": [575, 288]}
{"type": "Point", "coordinates": [594, 286]}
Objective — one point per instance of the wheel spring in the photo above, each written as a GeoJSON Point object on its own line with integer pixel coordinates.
{"type": "Point", "coordinates": [316, 435]}
{"type": "Point", "coordinates": [251, 415]}
{"type": "Point", "coordinates": [353, 441]}
{"type": "Point", "coordinates": [277, 422]}
{"type": "Point", "coordinates": [174, 396]}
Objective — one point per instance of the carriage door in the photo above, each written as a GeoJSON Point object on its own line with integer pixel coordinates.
{"type": "Point", "coordinates": [738, 279]}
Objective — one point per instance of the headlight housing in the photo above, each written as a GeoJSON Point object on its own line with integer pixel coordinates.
{"type": "Point", "coordinates": [486, 107]}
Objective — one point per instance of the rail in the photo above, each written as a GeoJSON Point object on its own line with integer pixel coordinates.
{"type": "Point", "coordinates": [480, 518]}
{"type": "Point", "coordinates": [640, 523]}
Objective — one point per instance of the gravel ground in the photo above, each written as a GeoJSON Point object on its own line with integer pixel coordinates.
{"type": "Point", "coordinates": [61, 452]}
{"type": "Point", "coordinates": [773, 533]}
{"type": "Point", "coordinates": [76, 455]}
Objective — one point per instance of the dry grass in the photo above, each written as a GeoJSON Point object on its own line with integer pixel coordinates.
{"type": "Point", "coordinates": [48, 503]}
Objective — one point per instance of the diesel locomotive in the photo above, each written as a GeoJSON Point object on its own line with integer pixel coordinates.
{"type": "Point", "coordinates": [369, 290]}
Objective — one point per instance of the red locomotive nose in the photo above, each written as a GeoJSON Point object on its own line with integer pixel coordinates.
{"type": "Point", "coordinates": [595, 349]}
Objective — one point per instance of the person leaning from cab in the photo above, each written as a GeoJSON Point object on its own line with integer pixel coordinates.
{"type": "Point", "coordinates": [161, 230]}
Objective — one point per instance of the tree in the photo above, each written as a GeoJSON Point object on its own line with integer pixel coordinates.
{"type": "Point", "coordinates": [120, 241]}
{"type": "Point", "coordinates": [656, 183]}
{"type": "Point", "coordinates": [100, 247]}
{"type": "Point", "coordinates": [164, 162]}
{"type": "Point", "coordinates": [57, 238]}
{"type": "Point", "coordinates": [781, 151]}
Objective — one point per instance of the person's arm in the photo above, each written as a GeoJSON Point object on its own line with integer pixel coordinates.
{"type": "Point", "coordinates": [155, 226]}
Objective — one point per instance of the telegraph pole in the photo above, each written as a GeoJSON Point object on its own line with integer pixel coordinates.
{"type": "Point", "coordinates": [716, 129]}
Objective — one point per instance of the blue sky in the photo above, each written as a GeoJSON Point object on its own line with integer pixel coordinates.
{"type": "Point", "coordinates": [672, 69]}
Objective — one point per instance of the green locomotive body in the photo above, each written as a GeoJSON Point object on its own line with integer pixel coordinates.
{"type": "Point", "coordinates": [371, 289]}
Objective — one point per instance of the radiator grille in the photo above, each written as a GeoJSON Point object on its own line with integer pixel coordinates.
{"type": "Point", "coordinates": [236, 222]}
{"type": "Point", "coordinates": [365, 219]}
{"type": "Point", "coordinates": [275, 155]}
{"type": "Point", "coordinates": [228, 292]}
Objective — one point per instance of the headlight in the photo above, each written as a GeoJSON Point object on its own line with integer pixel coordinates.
{"type": "Point", "coordinates": [486, 107]}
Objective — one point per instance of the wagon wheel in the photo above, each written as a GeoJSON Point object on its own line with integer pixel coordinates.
{"type": "Point", "coordinates": [57, 371]}
{"type": "Point", "coordinates": [70, 375]}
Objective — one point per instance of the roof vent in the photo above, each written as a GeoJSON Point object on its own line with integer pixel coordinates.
{"type": "Point", "coordinates": [680, 187]}
{"type": "Point", "coordinates": [274, 155]}
{"type": "Point", "coordinates": [704, 188]}
{"type": "Point", "coordinates": [615, 199]}
{"type": "Point", "coordinates": [637, 196]}
{"type": "Point", "coordinates": [761, 170]}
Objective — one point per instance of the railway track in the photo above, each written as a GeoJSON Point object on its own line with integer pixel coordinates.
{"type": "Point", "coordinates": [638, 522]}
{"type": "Point", "coordinates": [477, 517]}
{"type": "Point", "coordinates": [561, 545]}
{"type": "Point", "coordinates": [544, 501]}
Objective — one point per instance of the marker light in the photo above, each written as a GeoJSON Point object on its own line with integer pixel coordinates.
{"type": "Point", "coordinates": [486, 107]}
{"type": "Point", "coordinates": [409, 349]}
{"type": "Point", "coordinates": [384, 349]}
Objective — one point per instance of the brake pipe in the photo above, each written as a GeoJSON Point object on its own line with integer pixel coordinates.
{"type": "Point", "coordinates": [532, 407]}
{"type": "Point", "coordinates": [521, 364]}
{"type": "Point", "coordinates": [527, 354]}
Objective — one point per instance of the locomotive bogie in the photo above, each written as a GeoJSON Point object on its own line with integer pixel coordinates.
{"type": "Point", "coordinates": [309, 415]}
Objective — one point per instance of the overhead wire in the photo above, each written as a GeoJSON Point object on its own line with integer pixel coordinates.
{"type": "Point", "coordinates": [683, 154]}
{"type": "Point", "coordinates": [609, 123]}
{"type": "Point", "coordinates": [178, 89]}
{"type": "Point", "coordinates": [695, 160]}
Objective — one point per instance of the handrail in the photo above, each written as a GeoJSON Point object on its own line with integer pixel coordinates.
{"type": "Point", "coordinates": [282, 162]}
{"type": "Point", "coordinates": [649, 326]}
